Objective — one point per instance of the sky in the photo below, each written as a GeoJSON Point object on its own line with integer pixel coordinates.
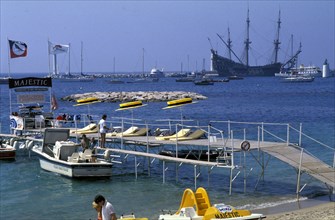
{"type": "Point", "coordinates": [136, 36]}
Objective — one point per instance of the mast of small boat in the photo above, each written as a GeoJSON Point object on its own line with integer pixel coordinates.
{"type": "Point", "coordinates": [247, 41]}
{"type": "Point", "coordinates": [276, 42]}
{"type": "Point", "coordinates": [143, 61]}
{"type": "Point", "coordinates": [81, 58]}
{"type": "Point", "coordinates": [69, 59]}
{"type": "Point", "coordinates": [229, 42]}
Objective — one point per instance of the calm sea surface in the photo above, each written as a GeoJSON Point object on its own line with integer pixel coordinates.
{"type": "Point", "coordinates": [27, 192]}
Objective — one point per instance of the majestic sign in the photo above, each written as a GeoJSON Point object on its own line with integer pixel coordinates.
{"type": "Point", "coordinates": [30, 81]}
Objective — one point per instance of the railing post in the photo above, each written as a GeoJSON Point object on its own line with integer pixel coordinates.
{"type": "Point", "coordinates": [299, 173]}
{"type": "Point", "coordinates": [229, 129]}
{"type": "Point", "coordinates": [288, 135]}
{"type": "Point", "coordinates": [244, 134]}
{"type": "Point", "coordinates": [300, 134]}
{"type": "Point", "coordinates": [209, 141]}
{"type": "Point", "coordinates": [262, 131]}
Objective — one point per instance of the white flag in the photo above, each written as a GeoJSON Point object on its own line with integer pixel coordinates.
{"type": "Point", "coordinates": [58, 48]}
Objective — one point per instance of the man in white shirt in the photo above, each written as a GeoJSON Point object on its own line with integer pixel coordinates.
{"type": "Point", "coordinates": [103, 130]}
{"type": "Point", "coordinates": [107, 209]}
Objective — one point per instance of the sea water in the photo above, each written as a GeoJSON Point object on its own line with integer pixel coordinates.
{"type": "Point", "coordinates": [27, 192]}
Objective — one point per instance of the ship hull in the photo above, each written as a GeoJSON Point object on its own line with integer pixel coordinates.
{"type": "Point", "coordinates": [226, 67]}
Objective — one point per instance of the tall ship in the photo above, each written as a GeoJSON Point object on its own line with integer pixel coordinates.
{"type": "Point", "coordinates": [226, 66]}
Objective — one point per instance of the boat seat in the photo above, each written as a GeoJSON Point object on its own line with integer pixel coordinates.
{"type": "Point", "coordinates": [87, 154]}
{"type": "Point", "coordinates": [74, 157]}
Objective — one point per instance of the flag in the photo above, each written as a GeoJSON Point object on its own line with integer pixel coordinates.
{"type": "Point", "coordinates": [54, 104]}
{"type": "Point", "coordinates": [58, 48]}
{"type": "Point", "coordinates": [17, 49]}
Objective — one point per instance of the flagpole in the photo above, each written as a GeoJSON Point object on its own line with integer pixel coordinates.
{"type": "Point", "coordinates": [49, 58]}
{"type": "Point", "coordinates": [8, 57]}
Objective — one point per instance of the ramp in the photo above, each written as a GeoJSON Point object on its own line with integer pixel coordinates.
{"type": "Point", "coordinates": [292, 155]}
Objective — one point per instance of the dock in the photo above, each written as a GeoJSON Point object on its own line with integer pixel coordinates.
{"type": "Point", "coordinates": [292, 154]}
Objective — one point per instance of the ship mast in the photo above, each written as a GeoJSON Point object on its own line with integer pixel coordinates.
{"type": "Point", "coordinates": [247, 41]}
{"type": "Point", "coordinates": [276, 42]}
{"type": "Point", "coordinates": [229, 44]}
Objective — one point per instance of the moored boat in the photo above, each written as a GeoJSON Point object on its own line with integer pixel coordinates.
{"type": "Point", "coordinates": [203, 82]}
{"type": "Point", "coordinates": [296, 79]}
{"type": "Point", "coordinates": [7, 152]}
{"type": "Point", "coordinates": [61, 156]}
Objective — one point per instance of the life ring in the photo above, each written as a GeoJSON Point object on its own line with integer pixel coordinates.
{"type": "Point", "coordinates": [245, 145]}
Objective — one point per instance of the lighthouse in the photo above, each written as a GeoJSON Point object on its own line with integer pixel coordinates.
{"type": "Point", "coordinates": [325, 70]}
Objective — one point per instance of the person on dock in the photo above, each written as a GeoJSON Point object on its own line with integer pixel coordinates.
{"type": "Point", "coordinates": [107, 209]}
{"type": "Point", "coordinates": [103, 130]}
{"type": "Point", "coordinates": [85, 142]}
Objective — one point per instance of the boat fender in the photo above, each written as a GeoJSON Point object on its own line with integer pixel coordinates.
{"type": "Point", "coordinates": [245, 145]}
{"type": "Point", "coordinates": [11, 141]}
{"type": "Point", "coordinates": [16, 145]}
{"type": "Point", "coordinates": [107, 155]}
{"type": "Point", "coordinates": [30, 145]}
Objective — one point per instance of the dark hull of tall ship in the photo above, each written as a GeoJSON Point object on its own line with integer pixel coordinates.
{"type": "Point", "coordinates": [226, 67]}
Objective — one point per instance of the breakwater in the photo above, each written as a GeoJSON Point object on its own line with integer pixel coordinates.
{"type": "Point", "coordinates": [148, 96]}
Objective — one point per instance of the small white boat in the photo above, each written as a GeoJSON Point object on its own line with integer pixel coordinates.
{"type": "Point", "coordinates": [298, 79]}
{"type": "Point", "coordinates": [7, 152]}
{"type": "Point", "coordinates": [61, 156]}
{"type": "Point", "coordinates": [196, 206]}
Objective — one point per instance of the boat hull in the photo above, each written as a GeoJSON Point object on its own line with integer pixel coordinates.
{"type": "Point", "coordinates": [74, 170]}
{"type": "Point", "coordinates": [7, 154]}
{"type": "Point", "coordinates": [226, 67]}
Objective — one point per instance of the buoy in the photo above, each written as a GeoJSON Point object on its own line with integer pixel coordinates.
{"type": "Point", "coordinates": [245, 145]}
{"type": "Point", "coordinates": [131, 104]}
{"type": "Point", "coordinates": [87, 100]}
{"type": "Point", "coordinates": [30, 145]}
{"type": "Point", "coordinates": [179, 101]}
{"type": "Point", "coordinates": [107, 155]}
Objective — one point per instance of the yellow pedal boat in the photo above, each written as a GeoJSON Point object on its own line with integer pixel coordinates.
{"type": "Point", "coordinates": [196, 206]}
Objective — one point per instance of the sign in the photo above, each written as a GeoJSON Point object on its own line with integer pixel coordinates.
{"type": "Point", "coordinates": [16, 122]}
{"type": "Point", "coordinates": [30, 81]}
{"type": "Point", "coordinates": [31, 98]}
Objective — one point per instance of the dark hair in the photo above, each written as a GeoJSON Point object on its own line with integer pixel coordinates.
{"type": "Point", "coordinates": [104, 116]}
{"type": "Point", "coordinates": [99, 198]}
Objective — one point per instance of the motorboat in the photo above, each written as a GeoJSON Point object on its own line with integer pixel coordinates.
{"type": "Point", "coordinates": [4, 80]}
{"type": "Point", "coordinates": [203, 82]}
{"type": "Point", "coordinates": [59, 155]}
{"type": "Point", "coordinates": [235, 77]}
{"type": "Point", "coordinates": [7, 152]}
{"type": "Point", "coordinates": [197, 206]}
{"type": "Point", "coordinates": [295, 79]}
